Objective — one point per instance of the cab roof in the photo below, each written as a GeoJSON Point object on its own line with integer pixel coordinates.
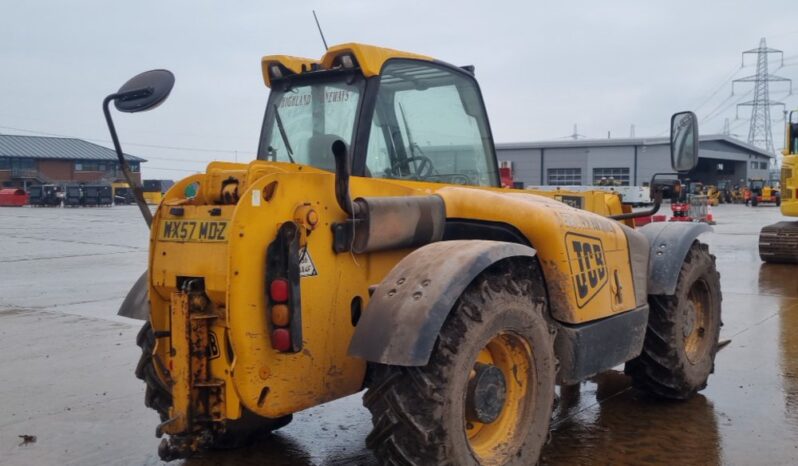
{"type": "Point", "coordinates": [368, 58]}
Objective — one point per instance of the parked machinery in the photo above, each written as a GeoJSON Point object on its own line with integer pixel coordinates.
{"type": "Point", "coordinates": [155, 189]}
{"type": "Point", "coordinates": [122, 193]}
{"type": "Point", "coordinates": [359, 252]}
{"type": "Point", "coordinates": [45, 195]}
{"type": "Point", "coordinates": [725, 190]}
{"type": "Point", "coordinates": [73, 196]}
{"type": "Point", "coordinates": [13, 197]}
{"type": "Point", "coordinates": [779, 242]}
{"type": "Point", "coordinates": [761, 192]}
{"type": "Point", "coordinates": [713, 195]}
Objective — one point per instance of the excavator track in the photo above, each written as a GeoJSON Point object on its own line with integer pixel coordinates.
{"type": "Point", "coordinates": [779, 243]}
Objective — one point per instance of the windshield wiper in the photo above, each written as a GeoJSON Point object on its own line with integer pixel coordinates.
{"type": "Point", "coordinates": [282, 134]}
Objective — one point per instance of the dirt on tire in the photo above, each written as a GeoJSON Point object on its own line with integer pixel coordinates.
{"type": "Point", "coordinates": [418, 412]}
{"type": "Point", "coordinates": [665, 368]}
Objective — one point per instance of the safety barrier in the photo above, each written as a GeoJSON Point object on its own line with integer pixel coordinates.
{"type": "Point", "coordinates": [700, 210]}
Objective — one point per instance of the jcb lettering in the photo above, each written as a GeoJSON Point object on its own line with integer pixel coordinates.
{"type": "Point", "coordinates": [589, 271]}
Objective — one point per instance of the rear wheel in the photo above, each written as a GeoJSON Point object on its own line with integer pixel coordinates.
{"type": "Point", "coordinates": [486, 395]}
{"type": "Point", "coordinates": [683, 329]}
{"type": "Point", "coordinates": [157, 396]}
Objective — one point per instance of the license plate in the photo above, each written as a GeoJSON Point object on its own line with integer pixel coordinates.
{"type": "Point", "coordinates": [193, 231]}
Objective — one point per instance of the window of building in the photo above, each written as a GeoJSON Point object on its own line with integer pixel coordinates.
{"type": "Point", "coordinates": [23, 164]}
{"type": "Point", "coordinates": [619, 175]}
{"type": "Point", "coordinates": [134, 166]}
{"type": "Point", "coordinates": [754, 165]}
{"type": "Point", "coordinates": [5, 164]}
{"type": "Point", "coordinates": [763, 165]}
{"type": "Point", "coordinates": [564, 176]}
{"type": "Point", "coordinates": [91, 166]}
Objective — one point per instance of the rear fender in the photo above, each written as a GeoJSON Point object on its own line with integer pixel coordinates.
{"type": "Point", "coordinates": [408, 308]}
{"type": "Point", "coordinates": [136, 305]}
{"type": "Point", "coordinates": [670, 242]}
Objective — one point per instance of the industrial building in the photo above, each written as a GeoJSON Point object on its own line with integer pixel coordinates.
{"type": "Point", "coordinates": [33, 160]}
{"type": "Point", "coordinates": [629, 161]}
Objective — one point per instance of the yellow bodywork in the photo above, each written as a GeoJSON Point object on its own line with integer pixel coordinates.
{"type": "Point", "coordinates": [273, 384]}
{"type": "Point", "coordinates": [789, 185]}
{"type": "Point", "coordinates": [153, 197]}
{"type": "Point", "coordinates": [369, 57]}
{"type": "Point", "coordinates": [232, 265]}
{"type": "Point", "coordinates": [789, 171]}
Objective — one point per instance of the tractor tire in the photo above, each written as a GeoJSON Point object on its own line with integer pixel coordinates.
{"type": "Point", "coordinates": [238, 433]}
{"type": "Point", "coordinates": [754, 201]}
{"type": "Point", "coordinates": [778, 200]}
{"type": "Point", "coordinates": [683, 329]}
{"type": "Point", "coordinates": [426, 415]}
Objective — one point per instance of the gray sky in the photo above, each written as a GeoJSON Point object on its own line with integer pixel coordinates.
{"type": "Point", "coordinates": [542, 66]}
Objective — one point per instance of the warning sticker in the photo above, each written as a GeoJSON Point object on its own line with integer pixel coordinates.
{"type": "Point", "coordinates": [306, 266]}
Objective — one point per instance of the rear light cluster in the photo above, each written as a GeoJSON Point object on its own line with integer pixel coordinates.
{"type": "Point", "coordinates": [281, 290]}
{"type": "Point", "coordinates": [279, 295]}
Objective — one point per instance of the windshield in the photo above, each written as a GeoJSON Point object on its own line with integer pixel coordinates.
{"type": "Point", "coordinates": [304, 119]}
{"type": "Point", "coordinates": [430, 124]}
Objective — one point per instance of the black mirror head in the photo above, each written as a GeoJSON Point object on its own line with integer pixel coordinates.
{"type": "Point", "coordinates": [684, 141]}
{"type": "Point", "coordinates": [144, 91]}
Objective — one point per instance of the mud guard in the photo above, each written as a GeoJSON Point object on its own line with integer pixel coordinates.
{"type": "Point", "coordinates": [136, 305]}
{"type": "Point", "coordinates": [407, 310]}
{"type": "Point", "coordinates": [669, 242]}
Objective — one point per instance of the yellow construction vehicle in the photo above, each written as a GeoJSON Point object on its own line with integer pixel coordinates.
{"type": "Point", "coordinates": [713, 195]}
{"type": "Point", "coordinates": [154, 190]}
{"type": "Point", "coordinates": [761, 192]}
{"type": "Point", "coordinates": [370, 246]}
{"type": "Point", "coordinates": [779, 242]}
{"type": "Point", "coordinates": [122, 193]}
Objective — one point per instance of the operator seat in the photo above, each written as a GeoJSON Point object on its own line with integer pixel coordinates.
{"type": "Point", "coordinates": [320, 154]}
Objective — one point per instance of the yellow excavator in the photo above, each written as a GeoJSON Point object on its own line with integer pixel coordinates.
{"type": "Point", "coordinates": [779, 242]}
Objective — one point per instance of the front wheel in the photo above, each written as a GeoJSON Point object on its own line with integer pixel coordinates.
{"type": "Point", "coordinates": [683, 329]}
{"type": "Point", "coordinates": [486, 395]}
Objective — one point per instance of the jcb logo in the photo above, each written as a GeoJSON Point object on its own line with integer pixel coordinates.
{"type": "Point", "coordinates": [588, 268]}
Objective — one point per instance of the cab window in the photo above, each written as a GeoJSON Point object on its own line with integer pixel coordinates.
{"type": "Point", "coordinates": [303, 119]}
{"type": "Point", "coordinates": [429, 124]}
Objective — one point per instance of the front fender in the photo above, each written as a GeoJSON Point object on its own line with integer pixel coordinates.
{"type": "Point", "coordinates": [669, 242]}
{"type": "Point", "coordinates": [407, 310]}
{"type": "Point", "coordinates": [136, 305]}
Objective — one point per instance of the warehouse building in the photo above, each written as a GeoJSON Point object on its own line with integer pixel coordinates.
{"type": "Point", "coordinates": [33, 160]}
{"type": "Point", "coordinates": [629, 161]}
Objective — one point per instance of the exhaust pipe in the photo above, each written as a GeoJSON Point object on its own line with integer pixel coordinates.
{"type": "Point", "coordinates": [383, 223]}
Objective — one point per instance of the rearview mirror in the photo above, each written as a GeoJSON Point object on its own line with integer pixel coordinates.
{"type": "Point", "coordinates": [144, 91]}
{"type": "Point", "coordinates": [684, 141]}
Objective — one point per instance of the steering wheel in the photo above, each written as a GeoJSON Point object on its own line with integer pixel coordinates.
{"type": "Point", "coordinates": [422, 169]}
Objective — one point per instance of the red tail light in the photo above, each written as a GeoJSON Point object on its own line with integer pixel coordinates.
{"type": "Point", "coordinates": [281, 339]}
{"type": "Point", "coordinates": [278, 290]}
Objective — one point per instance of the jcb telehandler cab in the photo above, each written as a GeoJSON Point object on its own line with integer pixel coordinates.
{"type": "Point", "coordinates": [370, 246]}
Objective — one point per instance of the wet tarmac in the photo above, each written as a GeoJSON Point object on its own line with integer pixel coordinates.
{"type": "Point", "coordinates": [67, 364]}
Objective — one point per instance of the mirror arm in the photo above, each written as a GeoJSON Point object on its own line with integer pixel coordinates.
{"type": "Point", "coordinates": [138, 194]}
{"type": "Point", "coordinates": [656, 196]}
{"type": "Point", "coordinates": [644, 213]}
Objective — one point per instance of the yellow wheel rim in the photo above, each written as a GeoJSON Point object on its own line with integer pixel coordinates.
{"type": "Point", "coordinates": [493, 442]}
{"type": "Point", "coordinates": [696, 325]}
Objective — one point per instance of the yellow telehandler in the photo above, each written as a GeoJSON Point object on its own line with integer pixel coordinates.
{"type": "Point", "coordinates": [779, 242]}
{"type": "Point", "coordinates": [370, 246]}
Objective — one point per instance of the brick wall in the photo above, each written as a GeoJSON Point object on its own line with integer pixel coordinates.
{"type": "Point", "coordinates": [60, 170]}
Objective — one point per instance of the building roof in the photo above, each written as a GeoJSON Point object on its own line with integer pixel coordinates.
{"type": "Point", "coordinates": [40, 147]}
{"type": "Point", "coordinates": [621, 142]}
